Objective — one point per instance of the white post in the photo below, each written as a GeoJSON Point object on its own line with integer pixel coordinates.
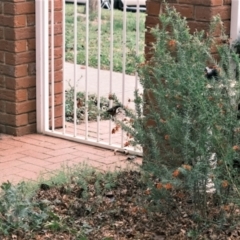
{"type": "Point", "coordinates": [41, 10]}
{"type": "Point", "coordinates": [235, 20]}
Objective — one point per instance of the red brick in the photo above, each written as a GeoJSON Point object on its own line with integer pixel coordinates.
{"type": "Point", "coordinates": [151, 21]}
{"type": "Point", "coordinates": [58, 52]}
{"type": "Point", "coordinates": [58, 99]}
{"type": "Point", "coordinates": [13, 46]}
{"type": "Point", "coordinates": [58, 5]}
{"type": "Point", "coordinates": [57, 28]}
{"type": "Point", "coordinates": [31, 19]}
{"type": "Point", "coordinates": [153, 8]}
{"type": "Point", "coordinates": [15, 71]}
{"type": "Point", "coordinates": [19, 58]}
{"type": "Point", "coordinates": [31, 43]}
{"type": "Point", "coordinates": [58, 64]}
{"type": "Point", "coordinates": [2, 127]}
{"type": "Point", "coordinates": [58, 41]}
{"type": "Point", "coordinates": [21, 95]}
{"type": "Point", "coordinates": [185, 11]}
{"type": "Point", "coordinates": [32, 68]}
{"type": "Point", "coordinates": [23, 107]}
{"type": "Point", "coordinates": [8, 95]}
{"type": "Point", "coordinates": [202, 2]}
{"type": "Point", "coordinates": [58, 88]}
{"type": "Point", "coordinates": [2, 81]}
{"type": "Point", "coordinates": [1, 7]}
{"type": "Point", "coordinates": [14, 120]}
{"type": "Point", "coordinates": [2, 57]}
{"type": "Point", "coordinates": [58, 76]}
{"type": "Point", "coordinates": [20, 131]}
{"type": "Point", "coordinates": [15, 21]}
{"type": "Point", "coordinates": [19, 33]}
{"type": "Point", "coordinates": [23, 82]}
{"type": "Point", "coordinates": [2, 106]}
{"type": "Point", "coordinates": [57, 111]}
{"type": "Point", "coordinates": [58, 17]}
{"type": "Point", "coordinates": [195, 25]}
{"type": "Point", "coordinates": [32, 93]}
{"type": "Point", "coordinates": [21, 120]}
{"type": "Point", "coordinates": [227, 2]}
{"type": "Point", "coordinates": [19, 7]}
{"type": "Point", "coordinates": [206, 13]}
{"type": "Point", "coordinates": [1, 32]}
{"type": "Point", "coordinates": [32, 117]}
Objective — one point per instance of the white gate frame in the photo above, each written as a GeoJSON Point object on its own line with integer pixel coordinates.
{"type": "Point", "coordinates": [235, 20]}
{"type": "Point", "coordinates": [42, 64]}
{"type": "Point", "coordinates": [42, 74]}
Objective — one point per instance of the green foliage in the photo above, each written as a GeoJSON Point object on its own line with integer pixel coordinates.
{"type": "Point", "coordinates": [90, 106]}
{"type": "Point", "coordinates": [131, 35]}
{"type": "Point", "coordinates": [186, 123]}
{"type": "Point", "coordinates": [17, 212]}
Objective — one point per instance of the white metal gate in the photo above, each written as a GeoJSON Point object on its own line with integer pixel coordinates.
{"type": "Point", "coordinates": [85, 77]}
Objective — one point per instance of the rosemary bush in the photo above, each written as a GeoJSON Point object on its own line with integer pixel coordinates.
{"type": "Point", "coordinates": [187, 122]}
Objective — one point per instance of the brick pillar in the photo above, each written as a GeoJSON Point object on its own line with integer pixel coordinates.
{"type": "Point", "coordinates": [197, 12]}
{"type": "Point", "coordinates": [18, 63]}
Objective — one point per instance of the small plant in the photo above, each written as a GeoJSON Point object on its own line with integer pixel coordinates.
{"type": "Point", "coordinates": [187, 121]}
{"type": "Point", "coordinates": [90, 106]}
{"type": "Point", "coordinates": [17, 212]}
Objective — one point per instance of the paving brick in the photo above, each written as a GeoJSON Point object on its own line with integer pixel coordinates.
{"type": "Point", "coordinates": [8, 152]}
{"type": "Point", "coordinates": [10, 164]}
{"type": "Point", "coordinates": [32, 160]}
{"type": "Point", "coordinates": [61, 151]}
{"type": "Point", "coordinates": [61, 158]}
{"type": "Point", "coordinates": [29, 175]}
{"type": "Point", "coordinates": [32, 168]}
{"type": "Point", "coordinates": [35, 154]}
{"type": "Point", "coordinates": [14, 156]}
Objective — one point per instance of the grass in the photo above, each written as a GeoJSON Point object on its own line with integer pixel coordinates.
{"type": "Point", "coordinates": [105, 39]}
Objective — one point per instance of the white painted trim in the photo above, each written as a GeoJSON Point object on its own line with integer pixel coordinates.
{"type": "Point", "coordinates": [235, 20]}
{"type": "Point", "coordinates": [41, 10]}
{"type": "Point", "coordinates": [93, 142]}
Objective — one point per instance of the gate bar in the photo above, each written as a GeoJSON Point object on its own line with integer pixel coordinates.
{"type": "Point", "coordinates": [42, 65]}
{"type": "Point", "coordinates": [235, 20]}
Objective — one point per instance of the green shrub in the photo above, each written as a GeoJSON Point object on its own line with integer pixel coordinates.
{"type": "Point", "coordinates": [187, 123]}
{"type": "Point", "coordinates": [18, 212]}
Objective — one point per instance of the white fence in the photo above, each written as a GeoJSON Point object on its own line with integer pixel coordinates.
{"type": "Point", "coordinates": [90, 80]}
{"type": "Point", "coordinates": [235, 20]}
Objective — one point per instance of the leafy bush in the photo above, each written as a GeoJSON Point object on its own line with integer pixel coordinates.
{"type": "Point", "coordinates": [17, 212]}
{"type": "Point", "coordinates": [186, 121]}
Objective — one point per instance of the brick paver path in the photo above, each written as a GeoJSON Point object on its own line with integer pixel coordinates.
{"type": "Point", "coordinates": [24, 158]}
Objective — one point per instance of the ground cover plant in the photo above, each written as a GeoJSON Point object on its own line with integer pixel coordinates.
{"type": "Point", "coordinates": [105, 38]}
{"type": "Point", "coordinates": [80, 203]}
{"type": "Point", "coordinates": [93, 109]}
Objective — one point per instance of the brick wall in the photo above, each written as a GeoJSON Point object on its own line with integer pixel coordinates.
{"type": "Point", "coordinates": [17, 66]}
{"type": "Point", "coordinates": [197, 12]}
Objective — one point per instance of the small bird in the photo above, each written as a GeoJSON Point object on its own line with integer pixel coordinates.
{"type": "Point", "coordinates": [211, 73]}
{"type": "Point", "coordinates": [114, 110]}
